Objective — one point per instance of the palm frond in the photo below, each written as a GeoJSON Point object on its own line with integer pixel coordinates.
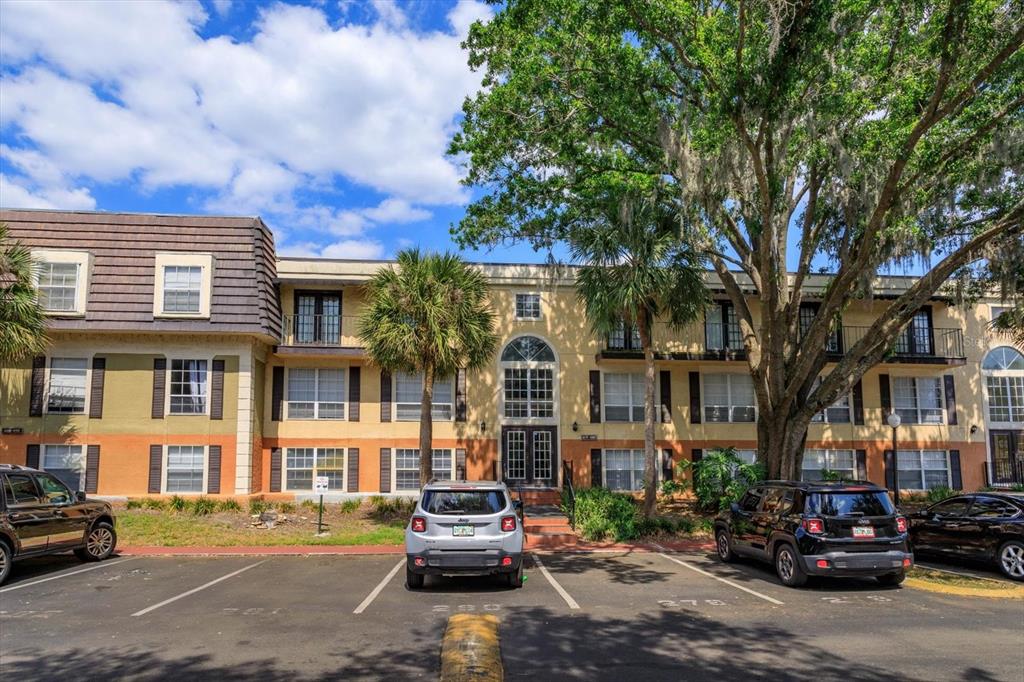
{"type": "Point", "coordinates": [22, 320]}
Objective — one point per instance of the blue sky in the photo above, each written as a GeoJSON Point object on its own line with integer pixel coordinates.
{"type": "Point", "coordinates": [328, 119]}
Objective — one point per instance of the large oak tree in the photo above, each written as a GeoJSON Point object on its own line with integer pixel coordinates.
{"type": "Point", "coordinates": [879, 133]}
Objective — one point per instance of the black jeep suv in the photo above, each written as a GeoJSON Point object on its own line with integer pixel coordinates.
{"type": "Point", "coordinates": [832, 529]}
{"type": "Point", "coordinates": [40, 515]}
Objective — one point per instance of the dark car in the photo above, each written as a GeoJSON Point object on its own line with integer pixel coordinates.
{"type": "Point", "coordinates": [830, 529]}
{"type": "Point", "coordinates": [986, 527]}
{"type": "Point", "coordinates": [40, 515]}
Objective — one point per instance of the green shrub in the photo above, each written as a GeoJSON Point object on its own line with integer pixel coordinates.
{"type": "Point", "coordinates": [178, 503]}
{"type": "Point", "coordinates": [310, 505]}
{"type": "Point", "coordinates": [229, 506]}
{"type": "Point", "coordinates": [831, 475]}
{"type": "Point", "coordinates": [672, 487]}
{"type": "Point", "coordinates": [286, 508]}
{"type": "Point", "coordinates": [940, 493]}
{"type": "Point", "coordinates": [721, 478]}
{"type": "Point", "coordinates": [601, 513]}
{"type": "Point", "coordinates": [685, 526]}
{"type": "Point", "coordinates": [349, 506]}
{"type": "Point", "coordinates": [257, 505]}
{"type": "Point", "coordinates": [203, 506]}
{"type": "Point", "coordinates": [705, 526]}
{"type": "Point", "coordinates": [153, 503]}
{"type": "Point", "coordinates": [133, 504]}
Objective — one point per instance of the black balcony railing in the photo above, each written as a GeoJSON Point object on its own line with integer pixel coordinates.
{"type": "Point", "coordinates": [920, 342]}
{"type": "Point", "coordinates": [312, 330]}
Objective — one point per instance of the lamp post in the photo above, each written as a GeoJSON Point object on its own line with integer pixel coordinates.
{"type": "Point", "coordinates": [894, 421]}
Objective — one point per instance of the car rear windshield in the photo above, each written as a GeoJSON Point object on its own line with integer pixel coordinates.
{"type": "Point", "coordinates": [853, 503]}
{"type": "Point", "coordinates": [466, 502]}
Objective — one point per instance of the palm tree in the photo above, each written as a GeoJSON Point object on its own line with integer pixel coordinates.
{"type": "Point", "coordinates": [430, 313]}
{"type": "Point", "coordinates": [636, 269]}
{"type": "Point", "coordinates": [22, 321]}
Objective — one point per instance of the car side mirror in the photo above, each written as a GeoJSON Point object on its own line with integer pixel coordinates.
{"type": "Point", "coordinates": [734, 507]}
{"type": "Point", "coordinates": [80, 496]}
{"type": "Point", "coordinates": [517, 505]}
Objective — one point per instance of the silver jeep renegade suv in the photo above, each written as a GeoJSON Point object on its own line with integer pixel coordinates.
{"type": "Point", "coordinates": [464, 528]}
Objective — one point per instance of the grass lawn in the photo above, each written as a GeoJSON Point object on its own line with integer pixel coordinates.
{"type": "Point", "coordinates": [166, 528]}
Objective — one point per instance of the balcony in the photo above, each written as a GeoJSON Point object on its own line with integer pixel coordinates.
{"type": "Point", "coordinates": [315, 335]}
{"type": "Point", "coordinates": [927, 345]}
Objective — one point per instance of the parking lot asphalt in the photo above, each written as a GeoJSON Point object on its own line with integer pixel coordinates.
{"type": "Point", "coordinates": [617, 616]}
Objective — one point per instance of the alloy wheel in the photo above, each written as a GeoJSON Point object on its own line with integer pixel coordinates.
{"type": "Point", "coordinates": [3, 563]}
{"type": "Point", "coordinates": [785, 564]}
{"type": "Point", "coordinates": [723, 545]}
{"type": "Point", "coordinates": [100, 541]}
{"type": "Point", "coordinates": [1012, 560]}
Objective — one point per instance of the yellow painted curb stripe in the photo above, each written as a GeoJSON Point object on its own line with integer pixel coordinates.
{"type": "Point", "coordinates": [471, 650]}
{"type": "Point", "coordinates": [956, 590]}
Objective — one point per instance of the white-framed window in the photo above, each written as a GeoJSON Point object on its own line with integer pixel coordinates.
{"type": "Point", "coordinates": [188, 386]}
{"type": "Point", "coordinates": [1005, 398]}
{"type": "Point", "coordinates": [185, 470]}
{"type": "Point", "coordinates": [58, 286]}
{"type": "Point", "coordinates": [843, 462]}
{"type": "Point", "coordinates": [624, 337]}
{"type": "Point", "coordinates": [68, 379]}
{"type": "Point", "coordinates": [623, 397]}
{"type": "Point", "coordinates": [66, 462]}
{"type": "Point", "coordinates": [922, 469]}
{"type": "Point", "coordinates": [529, 392]}
{"type": "Point", "coordinates": [407, 467]}
{"type": "Point", "coordinates": [316, 393]}
{"type": "Point", "coordinates": [302, 465]}
{"type": "Point", "coordinates": [527, 306]}
{"type": "Point", "coordinates": [994, 311]}
{"type": "Point", "coordinates": [840, 412]}
{"type": "Point", "coordinates": [623, 469]}
{"type": "Point", "coordinates": [747, 456]}
{"type": "Point", "coordinates": [409, 397]}
{"type": "Point", "coordinates": [729, 398]}
{"type": "Point", "coordinates": [182, 284]}
{"type": "Point", "coordinates": [182, 288]}
{"type": "Point", "coordinates": [918, 400]}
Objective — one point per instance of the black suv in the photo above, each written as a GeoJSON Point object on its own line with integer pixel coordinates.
{"type": "Point", "coordinates": [834, 529]}
{"type": "Point", "coordinates": [40, 515]}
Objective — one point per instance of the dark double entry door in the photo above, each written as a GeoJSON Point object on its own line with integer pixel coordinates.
{"type": "Point", "coordinates": [1007, 456]}
{"type": "Point", "coordinates": [529, 455]}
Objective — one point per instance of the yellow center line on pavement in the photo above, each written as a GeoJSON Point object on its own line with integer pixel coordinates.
{"type": "Point", "coordinates": [105, 564]}
{"type": "Point", "coordinates": [380, 586]}
{"type": "Point", "coordinates": [165, 602]}
{"type": "Point", "coordinates": [554, 583]}
{"type": "Point", "coordinates": [719, 579]}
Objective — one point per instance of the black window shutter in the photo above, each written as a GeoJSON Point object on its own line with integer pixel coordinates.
{"type": "Point", "coordinates": [862, 465]}
{"type": "Point", "coordinates": [858, 403]}
{"type": "Point", "coordinates": [884, 396]}
{"type": "Point", "coordinates": [460, 396]}
{"type": "Point", "coordinates": [217, 390]}
{"type": "Point", "coordinates": [213, 475]}
{"type": "Point", "coordinates": [385, 396]}
{"type": "Point", "coordinates": [385, 470]}
{"type": "Point", "coordinates": [35, 406]}
{"type": "Point", "coordinates": [695, 398]}
{"type": "Point", "coordinates": [890, 472]}
{"type": "Point", "coordinates": [159, 386]}
{"type": "Point", "coordinates": [156, 456]}
{"type": "Point", "coordinates": [956, 477]}
{"type": "Point", "coordinates": [355, 389]}
{"type": "Point", "coordinates": [275, 470]}
{"type": "Point", "coordinates": [99, 370]}
{"type": "Point", "coordinates": [32, 455]}
{"type": "Point", "coordinates": [277, 394]}
{"type": "Point", "coordinates": [353, 470]}
{"type": "Point", "coordinates": [665, 384]}
{"type": "Point", "coordinates": [92, 469]}
{"type": "Point", "coordinates": [950, 390]}
{"type": "Point", "coordinates": [595, 396]}
{"type": "Point", "coordinates": [666, 464]}
{"type": "Point", "coordinates": [596, 475]}
{"type": "Point", "coordinates": [460, 464]}
{"type": "Point", "coordinates": [698, 455]}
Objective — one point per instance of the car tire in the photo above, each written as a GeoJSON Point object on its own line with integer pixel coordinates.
{"type": "Point", "coordinates": [787, 566]}
{"type": "Point", "coordinates": [892, 579]}
{"type": "Point", "coordinates": [1011, 559]}
{"type": "Point", "coordinates": [413, 581]}
{"type": "Point", "coordinates": [515, 578]}
{"type": "Point", "coordinates": [100, 543]}
{"type": "Point", "coordinates": [723, 545]}
{"type": "Point", "coordinates": [6, 559]}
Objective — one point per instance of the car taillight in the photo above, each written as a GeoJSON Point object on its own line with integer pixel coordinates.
{"type": "Point", "coordinates": [907, 562]}
{"type": "Point", "coordinates": [508, 523]}
{"type": "Point", "coordinates": [901, 524]}
{"type": "Point", "coordinates": [419, 524]}
{"type": "Point", "coordinates": [814, 526]}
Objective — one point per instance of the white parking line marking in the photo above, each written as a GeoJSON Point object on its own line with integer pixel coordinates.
{"type": "Point", "coordinates": [721, 580]}
{"type": "Point", "coordinates": [106, 564]}
{"type": "Point", "coordinates": [554, 583]}
{"type": "Point", "coordinates": [165, 602]}
{"type": "Point", "coordinates": [380, 586]}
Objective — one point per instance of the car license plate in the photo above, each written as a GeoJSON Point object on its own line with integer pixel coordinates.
{"type": "Point", "coordinates": [462, 531]}
{"type": "Point", "coordinates": [863, 532]}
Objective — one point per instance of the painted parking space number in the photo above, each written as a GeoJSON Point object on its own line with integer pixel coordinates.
{"type": "Point", "coordinates": [680, 603]}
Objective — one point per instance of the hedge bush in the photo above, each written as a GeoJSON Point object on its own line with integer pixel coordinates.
{"type": "Point", "coordinates": [721, 478]}
{"type": "Point", "coordinates": [601, 513]}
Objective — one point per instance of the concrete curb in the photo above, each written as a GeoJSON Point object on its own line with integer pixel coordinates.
{"type": "Point", "coordinates": [470, 649]}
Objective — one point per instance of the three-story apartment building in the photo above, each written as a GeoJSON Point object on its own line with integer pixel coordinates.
{"type": "Point", "coordinates": [186, 358]}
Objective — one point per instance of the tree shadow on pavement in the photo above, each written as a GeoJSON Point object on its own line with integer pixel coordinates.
{"type": "Point", "coordinates": [616, 571]}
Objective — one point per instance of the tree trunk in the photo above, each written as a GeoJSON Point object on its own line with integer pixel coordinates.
{"type": "Point", "coordinates": [650, 460]}
{"type": "Point", "coordinates": [427, 427]}
{"type": "Point", "coordinates": [780, 442]}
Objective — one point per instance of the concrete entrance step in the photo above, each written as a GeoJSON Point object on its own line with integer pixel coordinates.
{"type": "Point", "coordinates": [543, 511]}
